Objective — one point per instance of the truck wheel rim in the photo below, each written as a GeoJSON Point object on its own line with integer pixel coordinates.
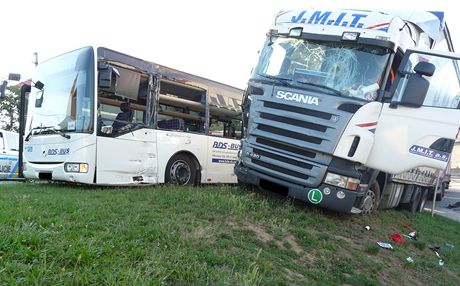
{"type": "Point", "coordinates": [180, 173]}
{"type": "Point", "coordinates": [369, 202]}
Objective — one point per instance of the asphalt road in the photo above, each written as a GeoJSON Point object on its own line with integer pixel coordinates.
{"type": "Point", "coordinates": [451, 196]}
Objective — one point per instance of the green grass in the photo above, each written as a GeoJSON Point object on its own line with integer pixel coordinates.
{"type": "Point", "coordinates": [218, 235]}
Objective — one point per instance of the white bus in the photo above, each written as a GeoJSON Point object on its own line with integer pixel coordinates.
{"type": "Point", "coordinates": [97, 116]}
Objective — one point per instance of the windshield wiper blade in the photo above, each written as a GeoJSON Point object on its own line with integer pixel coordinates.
{"type": "Point", "coordinates": [281, 80]}
{"type": "Point", "coordinates": [333, 90]}
{"type": "Point", "coordinates": [36, 128]}
{"type": "Point", "coordinates": [58, 131]}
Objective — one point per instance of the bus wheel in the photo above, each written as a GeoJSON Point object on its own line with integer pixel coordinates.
{"type": "Point", "coordinates": [181, 170]}
{"type": "Point", "coordinates": [371, 199]}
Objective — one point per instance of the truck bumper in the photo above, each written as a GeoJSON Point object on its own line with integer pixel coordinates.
{"type": "Point", "coordinates": [327, 199]}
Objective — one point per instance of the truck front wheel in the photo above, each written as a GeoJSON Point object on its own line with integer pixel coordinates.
{"type": "Point", "coordinates": [371, 199]}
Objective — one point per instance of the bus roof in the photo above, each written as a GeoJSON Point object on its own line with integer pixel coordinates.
{"type": "Point", "coordinates": [167, 72]}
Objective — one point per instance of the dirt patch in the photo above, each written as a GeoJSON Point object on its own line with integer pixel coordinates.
{"type": "Point", "coordinates": [200, 233]}
{"type": "Point", "coordinates": [294, 245]}
{"type": "Point", "coordinates": [259, 231]}
{"type": "Point", "coordinates": [307, 259]}
{"type": "Point", "coordinates": [293, 275]}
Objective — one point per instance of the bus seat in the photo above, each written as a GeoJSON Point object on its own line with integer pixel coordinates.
{"type": "Point", "coordinates": [173, 124]}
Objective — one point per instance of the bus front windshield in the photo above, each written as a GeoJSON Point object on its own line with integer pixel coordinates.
{"type": "Point", "coordinates": [344, 69]}
{"type": "Point", "coordinates": [66, 101]}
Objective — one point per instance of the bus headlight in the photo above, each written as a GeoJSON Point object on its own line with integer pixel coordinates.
{"type": "Point", "coordinates": [342, 181]}
{"type": "Point", "coordinates": [76, 167]}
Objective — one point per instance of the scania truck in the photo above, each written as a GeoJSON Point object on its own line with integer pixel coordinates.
{"type": "Point", "coordinates": [344, 106]}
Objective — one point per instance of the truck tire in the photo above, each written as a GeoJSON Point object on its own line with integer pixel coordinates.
{"type": "Point", "coordinates": [371, 199]}
{"type": "Point", "coordinates": [181, 170]}
{"type": "Point", "coordinates": [246, 186]}
{"type": "Point", "coordinates": [423, 199]}
{"type": "Point", "coordinates": [441, 194]}
{"type": "Point", "coordinates": [415, 200]}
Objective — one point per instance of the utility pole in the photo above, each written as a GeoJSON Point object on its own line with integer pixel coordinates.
{"type": "Point", "coordinates": [35, 59]}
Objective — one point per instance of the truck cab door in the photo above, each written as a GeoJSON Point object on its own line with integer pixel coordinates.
{"type": "Point", "coordinates": [419, 125]}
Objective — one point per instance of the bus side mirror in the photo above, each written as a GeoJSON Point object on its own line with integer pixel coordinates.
{"type": "Point", "coordinates": [417, 86]}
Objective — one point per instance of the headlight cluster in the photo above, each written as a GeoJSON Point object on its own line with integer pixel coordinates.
{"type": "Point", "coordinates": [342, 181]}
{"type": "Point", "coordinates": [76, 167]}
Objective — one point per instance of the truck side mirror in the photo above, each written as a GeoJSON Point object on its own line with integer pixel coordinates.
{"type": "Point", "coordinates": [417, 86]}
{"type": "Point", "coordinates": [424, 68]}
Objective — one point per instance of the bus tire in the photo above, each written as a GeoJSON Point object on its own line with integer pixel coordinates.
{"type": "Point", "coordinates": [423, 199]}
{"type": "Point", "coordinates": [371, 199]}
{"type": "Point", "coordinates": [181, 170]}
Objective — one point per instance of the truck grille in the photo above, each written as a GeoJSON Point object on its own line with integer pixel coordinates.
{"type": "Point", "coordinates": [295, 141]}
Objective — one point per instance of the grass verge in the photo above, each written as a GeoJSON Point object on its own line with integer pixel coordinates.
{"type": "Point", "coordinates": [216, 235]}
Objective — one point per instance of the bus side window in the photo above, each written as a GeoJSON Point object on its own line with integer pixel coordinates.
{"type": "Point", "coordinates": [228, 129]}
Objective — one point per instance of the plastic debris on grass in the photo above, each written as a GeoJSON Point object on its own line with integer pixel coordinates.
{"type": "Point", "coordinates": [397, 238]}
{"type": "Point", "coordinates": [437, 251]}
{"type": "Point", "coordinates": [385, 245]}
{"type": "Point", "coordinates": [449, 245]}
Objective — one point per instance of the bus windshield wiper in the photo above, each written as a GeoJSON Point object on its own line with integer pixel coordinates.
{"type": "Point", "coordinates": [40, 128]}
{"type": "Point", "coordinates": [281, 80]}
{"type": "Point", "coordinates": [57, 131]}
{"type": "Point", "coordinates": [46, 130]}
{"type": "Point", "coordinates": [333, 90]}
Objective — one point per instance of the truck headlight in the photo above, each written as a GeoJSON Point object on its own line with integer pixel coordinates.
{"type": "Point", "coordinates": [76, 167]}
{"type": "Point", "coordinates": [342, 181]}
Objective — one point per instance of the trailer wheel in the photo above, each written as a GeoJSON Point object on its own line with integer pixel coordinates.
{"type": "Point", "coordinates": [423, 200]}
{"type": "Point", "coordinates": [441, 193]}
{"type": "Point", "coordinates": [371, 199]}
{"type": "Point", "coordinates": [416, 200]}
{"type": "Point", "coordinates": [181, 170]}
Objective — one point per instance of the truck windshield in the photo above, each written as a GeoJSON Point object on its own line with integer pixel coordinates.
{"type": "Point", "coordinates": [344, 69]}
{"type": "Point", "coordinates": [66, 101]}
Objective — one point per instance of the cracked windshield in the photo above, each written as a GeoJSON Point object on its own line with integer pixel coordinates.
{"type": "Point", "coordinates": [340, 69]}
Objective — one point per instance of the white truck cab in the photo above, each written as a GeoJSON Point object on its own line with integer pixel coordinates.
{"type": "Point", "coordinates": [342, 100]}
{"type": "Point", "coordinates": [9, 150]}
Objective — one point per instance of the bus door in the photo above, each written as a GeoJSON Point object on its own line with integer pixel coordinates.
{"type": "Point", "coordinates": [223, 147]}
{"type": "Point", "coordinates": [129, 158]}
{"type": "Point", "coordinates": [419, 126]}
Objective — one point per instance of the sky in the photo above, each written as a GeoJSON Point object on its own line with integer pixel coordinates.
{"type": "Point", "coordinates": [216, 39]}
